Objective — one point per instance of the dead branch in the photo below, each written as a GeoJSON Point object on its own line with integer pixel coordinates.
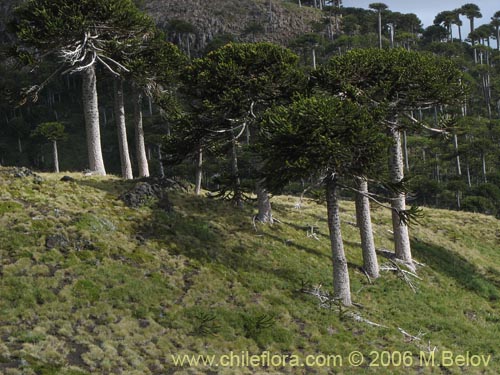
{"type": "Point", "coordinates": [358, 318]}
{"type": "Point", "coordinates": [311, 234]}
{"type": "Point", "coordinates": [409, 338]}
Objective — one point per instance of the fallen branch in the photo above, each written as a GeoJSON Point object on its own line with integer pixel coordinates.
{"type": "Point", "coordinates": [359, 318]}
{"type": "Point", "coordinates": [403, 273]}
{"type": "Point", "coordinates": [311, 234]}
{"type": "Point", "coordinates": [409, 337]}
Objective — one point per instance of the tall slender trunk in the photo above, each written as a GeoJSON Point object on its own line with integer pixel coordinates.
{"type": "Point", "coordinates": [238, 196]}
{"type": "Point", "coordinates": [56, 156]}
{"type": "Point", "coordinates": [469, 181]}
{"type": "Point", "coordinates": [364, 222]}
{"type": "Point", "coordinates": [199, 170]}
{"type": "Point", "coordinates": [438, 170]}
{"type": "Point", "coordinates": [498, 37]}
{"type": "Point", "coordinates": [19, 145]}
{"type": "Point", "coordinates": [380, 29]}
{"type": "Point", "coordinates": [91, 114]}
{"type": "Point", "coordinates": [126, 165]}
{"type": "Point", "coordinates": [160, 162]}
{"type": "Point", "coordinates": [341, 284]}
{"type": "Point", "coordinates": [265, 214]}
{"type": "Point", "coordinates": [405, 148]}
{"type": "Point", "coordinates": [483, 162]}
{"type": "Point", "coordinates": [457, 157]}
{"type": "Point", "coordinates": [398, 204]}
{"type": "Point", "coordinates": [140, 147]}
{"type": "Point", "coordinates": [314, 58]}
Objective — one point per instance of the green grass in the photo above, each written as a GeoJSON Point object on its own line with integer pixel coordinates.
{"type": "Point", "coordinates": [129, 287]}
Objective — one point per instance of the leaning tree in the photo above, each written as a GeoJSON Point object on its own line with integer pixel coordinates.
{"type": "Point", "coordinates": [332, 139]}
{"type": "Point", "coordinates": [400, 82]}
{"type": "Point", "coordinates": [79, 35]}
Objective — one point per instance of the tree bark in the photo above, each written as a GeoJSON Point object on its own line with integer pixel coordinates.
{"type": "Point", "coordinates": [160, 162]}
{"type": "Point", "coordinates": [140, 148]}
{"type": "Point", "coordinates": [380, 29]}
{"type": "Point", "coordinates": [483, 162]}
{"type": "Point", "coordinates": [265, 214]}
{"type": "Point", "coordinates": [469, 181]}
{"type": "Point", "coordinates": [398, 204]}
{"type": "Point", "coordinates": [238, 196]}
{"type": "Point", "coordinates": [406, 157]}
{"type": "Point", "coordinates": [364, 222]}
{"type": "Point", "coordinates": [457, 157]}
{"type": "Point", "coordinates": [91, 114]}
{"type": "Point", "coordinates": [56, 156]}
{"type": "Point", "coordinates": [341, 284]}
{"type": "Point", "coordinates": [126, 165]}
{"type": "Point", "coordinates": [199, 170]}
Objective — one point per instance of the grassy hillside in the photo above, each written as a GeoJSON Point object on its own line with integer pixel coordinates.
{"type": "Point", "coordinates": [90, 286]}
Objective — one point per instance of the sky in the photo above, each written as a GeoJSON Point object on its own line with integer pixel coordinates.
{"type": "Point", "coordinates": [426, 10]}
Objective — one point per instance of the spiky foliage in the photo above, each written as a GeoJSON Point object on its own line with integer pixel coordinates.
{"type": "Point", "coordinates": [319, 136]}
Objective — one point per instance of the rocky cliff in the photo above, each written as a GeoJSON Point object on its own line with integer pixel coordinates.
{"type": "Point", "coordinates": [249, 20]}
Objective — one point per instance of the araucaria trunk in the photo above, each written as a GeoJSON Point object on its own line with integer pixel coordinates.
{"type": "Point", "coordinates": [56, 156]}
{"type": "Point", "coordinates": [364, 222]}
{"type": "Point", "coordinates": [265, 214]}
{"type": "Point", "coordinates": [401, 236]}
{"type": "Point", "coordinates": [341, 284]}
{"type": "Point", "coordinates": [91, 114]}
{"type": "Point", "coordinates": [140, 148]}
{"type": "Point", "coordinates": [122, 130]}
{"type": "Point", "coordinates": [238, 194]}
{"type": "Point", "coordinates": [199, 170]}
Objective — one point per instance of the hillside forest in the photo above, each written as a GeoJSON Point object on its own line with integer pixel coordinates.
{"type": "Point", "coordinates": [350, 109]}
{"type": "Point", "coordinates": [240, 107]}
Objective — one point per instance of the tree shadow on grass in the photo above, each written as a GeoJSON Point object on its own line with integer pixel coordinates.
{"type": "Point", "coordinates": [112, 187]}
{"type": "Point", "coordinates": [214, 232]}
{"type": "Point", "coordinates": [458, 268]}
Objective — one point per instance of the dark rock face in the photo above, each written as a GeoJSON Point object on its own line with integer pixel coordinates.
{"type": "Point", "coordinates": [67, 179]}
{"type": "Point", "coordinates": [141, 193]}
{"type": "Point", "coordinates": [147, 192]}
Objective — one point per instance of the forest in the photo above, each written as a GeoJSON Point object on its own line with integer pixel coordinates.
{"type": "Point", "coordinates": [455, 168]}
{"type": "Point", "coordinates": [364, 109]}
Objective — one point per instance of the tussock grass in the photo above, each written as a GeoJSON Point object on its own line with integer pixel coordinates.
{"type": "Point", "coordinates": [90, 286]}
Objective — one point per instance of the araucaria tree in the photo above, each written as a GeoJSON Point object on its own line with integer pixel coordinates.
{"type": "Point", "coordinates": [53, 132]}
{"type": "Point", "coordinates": [400, 82]}
{"type": "Point", "coordinates": [230, 87]}
{"type": "Point", "coordinates": [331, 138]}
{"type": "Point", "coordinates": [80, 35]}
{"type": "Point", "coordinates": [379, 7]}
{"type": "Point", "coordinates": [154, 65]}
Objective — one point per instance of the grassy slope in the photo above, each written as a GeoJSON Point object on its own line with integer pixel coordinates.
{"type": "Point", "coordinates": [132, 286]}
